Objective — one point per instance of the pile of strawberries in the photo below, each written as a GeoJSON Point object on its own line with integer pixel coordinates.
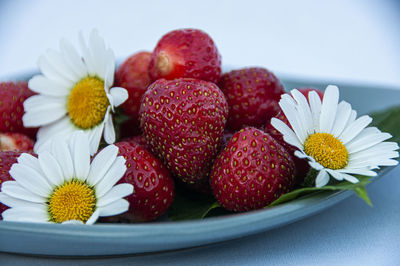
{"type": "Point", "coordinates": [187, 123]}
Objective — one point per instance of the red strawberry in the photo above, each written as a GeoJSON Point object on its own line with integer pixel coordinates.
{"type": "Point", "coordinates": [139, 140]}
{"type": "Point", "coordinates": [251, 172]}
{"type": "Point", "coordinates": [7, 159]}
{"type": "Point", "coordinates": [15, 142]}
{"type": "Point", "coordinates": [183, 121]}
{"type": "Point", "coordinates": [153, 186]}
{"type": "Point", "coordinates": [226, 137]}
{"type": "Point", "coordinates": [186, 53]}
{"type": "Point", "coordinates": [252, 95]}
{"type": "Point", "coordinates": [301, 165]}
{"type": "Point", "coordinates": [133, 75]}
{"type": "Point", "coordinates": [12, 96]}
{"type": "Point", "coordinates": [306, 90]}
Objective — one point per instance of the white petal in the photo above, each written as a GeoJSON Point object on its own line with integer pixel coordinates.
{"type": "Point", "coordinates": [328, 109]}
{"type": "Point", "coordinates": [342, 116]}
{"type": "Point", "coordinates": [98, 50]}
{"type": "Point", "coordinates": [352, 118]}
{"type": "Point", "coordinates": [316, 166]}
{"type": "Point", "coordinates": [58, 62]}
{"type": "Point", "coordinates": [73, 57]}
{"type": "Point", "coordinates": [110, 59]}
{"type": "Point", "coordinates": [51, 168]}
{"type": "Point", "coordinates": [87, 56]}
{"type": "Point", "coordinates": [119, 95]}
{"type": "Point", "coordinates": [355, 128]}
{"type": "Point", "coordinates": [102, 163]}
{"type": "Point", "coordinates": [350, 178]}
{"type": "Point", "coordinates": [301, 155]}
{"type": "Point", "coordinates": [30, 179]}
{"type": "Point", "coordinates": [114, 174]}
{"type": "Point", "coordinates": [114, 208]}
{"type": "Point", "coordinates": [30, 161]}
{"type": "Point", "coordinates": [62, 154]}
{"type": "Point", "coordinates": [79, 148]}
{"type": "Point", "coordinates": [95, 137]}
{"type": "Point", "coordinates": [13, 202]}
{"type": "Point", "coordinates": [304, 111]}
{"type": "Point", "coordinates": [55, 128]}
{"type": "Point", "coordinates": [94, 217]}
{"type": "Point", "coordinates": [24, 214]}
{"type": "Point", "coordinates": [357, 171]}
{"type": "Point", "coordinates": [315, 106]}
{"type": "Point", "coordinates": [322, 179]}
{"type": "Point", "coordinates": [13, 189]}
{"type": "Point", "coordinates": [51, 73]}
{"type": "Point", "coordinates": [291, 114]}
{"type": "Point", "coordinates": [288, 134]}
{"type": "Point", "coordinates": [43, 115]}
{"type": "Point", "coordinates": [367, 141]}
{"type": "Point", "coordinates": [43, 85]}
{"type": "Point", "coordinates": [117, 192]}
{"type": "Point", "coordinates": [109, 132]}
{"type": "Point", "coordinates": [337, 175]}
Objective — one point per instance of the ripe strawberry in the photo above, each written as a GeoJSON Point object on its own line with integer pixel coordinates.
{"type": "Point", "coordinates": [186, 53]}
{"type": "Point", "coordinates": [7, 159]}
{"type": "Point", "coordinates": [12, 96]}
{"type": "Point", "coordinates": [133, 75]}
{"type": "Point", "coordinates": [301, 165]}
{"type": "Point", "coordinates": [183, 121]}
{"type": "Point", "coordinates": [138, 140]}
{"type": "Point", "coordinates": [153, 185]}
{"type": "Point", "coordinates": [251, 172]}
{"type": "Point", "coordinates": [15, 142]}
{"type": "Point", "coordinates": [252, 95]}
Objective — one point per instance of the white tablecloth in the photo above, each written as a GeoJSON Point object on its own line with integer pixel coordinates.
{"type": "Point", "coordinates": [352, 40]}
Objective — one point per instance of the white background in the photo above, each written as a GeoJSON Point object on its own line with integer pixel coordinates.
{"type": "Point", "coordinates": [345, 40]}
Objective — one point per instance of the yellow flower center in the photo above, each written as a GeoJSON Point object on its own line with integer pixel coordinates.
{"type": "Point", "coordinates": [87, 103]}
{"type": "Point", "coordinates": [326, 150]}
{"type": "Point", "coordinates": [73, 200]}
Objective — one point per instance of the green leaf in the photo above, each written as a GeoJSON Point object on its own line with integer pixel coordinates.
{"type": "Point", "coordinates": [388, 121]}
{"type": "Point", "coordinates": [191, 206]}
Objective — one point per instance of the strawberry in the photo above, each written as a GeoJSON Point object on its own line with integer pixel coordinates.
{"type": "Point", "coordinates": [12, 96]}
{"type": "Point", "coordinates": [7, 159]}
{"type": "Point", "coordinates": [15, 142]}
{"type": "Point", "coordinates": [186, 53]}
{"type": "Point", "coordinates": [153, 185]}
{"type": "Point", "coordinates": [133, 75]}
{"type": "Point", "coordinates": [301, 165]}
{"type": "Point", "coordinates": [252, 95]}
{"type": "Point", "coordinates": [183, 121]}
{"type": "Point", "coordinates": [138, 140]}
{"type": "Point", "coordinates": [252, 171]}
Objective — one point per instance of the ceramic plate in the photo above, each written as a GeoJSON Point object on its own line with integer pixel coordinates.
{"type": "Point", "coordinates": [117, 239]}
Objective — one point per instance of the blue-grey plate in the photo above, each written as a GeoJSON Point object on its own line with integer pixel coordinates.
{"type": "Point", "coordinates": [117, 239]}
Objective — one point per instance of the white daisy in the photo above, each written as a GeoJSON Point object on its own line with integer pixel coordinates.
{"type": "Point", "coordinates": [331, 138]}
{"type": "Point", "coordinates": [63, 186]}
{"type": "Point", "coordinates": [74, 93]}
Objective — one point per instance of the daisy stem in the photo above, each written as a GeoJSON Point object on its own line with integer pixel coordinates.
{"type": "Point", "coordinates": [309, 180]}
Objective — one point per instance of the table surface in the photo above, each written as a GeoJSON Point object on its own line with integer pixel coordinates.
{"type": "Point", "coordinates": [346, 40]}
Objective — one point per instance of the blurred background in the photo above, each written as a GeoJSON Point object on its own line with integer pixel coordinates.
{"type": "Point", "coordinates": [357, 40]}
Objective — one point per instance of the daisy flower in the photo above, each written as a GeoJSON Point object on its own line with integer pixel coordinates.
{"type": "Point", "coordinates": [328, 134]}
{"type": "Point", "coordinates": [63, 186]}
{"type": "Point", "coordinates": [74, 93]}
